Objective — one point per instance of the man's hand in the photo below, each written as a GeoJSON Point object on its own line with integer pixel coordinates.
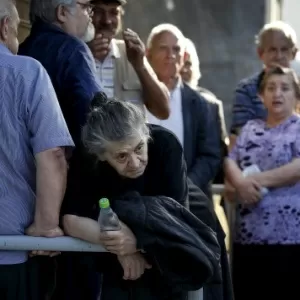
{"type": "Point", "coordinates": [35, 230]}
{"type": "Point", "coordinates": [135, 49]}
{"type": "Point", "coordinates": [99, 47]}
{"type": "Point", "coordinates": [134, 266]}
{"type": "Point", "coordinates": [122, 242]}
{"type": "Point", "coordinates": [249, 190]}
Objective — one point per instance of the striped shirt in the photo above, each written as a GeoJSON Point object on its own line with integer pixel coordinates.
{"type": "Point", "coordinates": [105, 70]}
{"type": "Point", "coordinates": [247, 104]}
{"type": "Point", "coordinates": [31, 121]}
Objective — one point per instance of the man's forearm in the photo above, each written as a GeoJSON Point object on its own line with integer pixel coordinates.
{"type": "Point", "coordinates": [155, 94]}
{"type": "Point", "coordinates": [204, 171]}
{"type": "Point", "coordinates": [51, 178]}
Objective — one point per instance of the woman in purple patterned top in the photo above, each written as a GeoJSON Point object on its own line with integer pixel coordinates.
{"type": "Point", "coordinates": [266, 250]}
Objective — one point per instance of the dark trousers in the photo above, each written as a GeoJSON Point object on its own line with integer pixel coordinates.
{"type": "Point", "coordinates": [264, 272]}
{"type": "Point", "coordinates": [77, 277]}
{"type": "Point", "coordinates": [141, 289]}
{"type": "Point", "coordinates": [33, 280]}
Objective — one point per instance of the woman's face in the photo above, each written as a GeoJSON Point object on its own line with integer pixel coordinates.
{"type": "Point", "coordinates": [128, 158]}
{"type": "Point", "coordinates": [279, 96]}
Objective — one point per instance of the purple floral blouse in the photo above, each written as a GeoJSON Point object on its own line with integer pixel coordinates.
{"type": "Point", "coordinates": [276, 218]}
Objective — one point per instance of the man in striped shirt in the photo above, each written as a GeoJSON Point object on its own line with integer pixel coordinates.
{"type": "Point", "coordinates": [122, 67]}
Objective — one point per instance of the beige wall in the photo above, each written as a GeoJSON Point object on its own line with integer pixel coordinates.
{"type": "Point", "coordinates": [22, 6]}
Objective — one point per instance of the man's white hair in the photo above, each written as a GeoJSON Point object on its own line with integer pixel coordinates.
{"type": "Point", "coordinates": [6, 8]}
{"type": "Point", "coordinates": [165, 27]}
{"type": "Point", "coordinates": [190, 49]}
{"type": "Point", "coordinates": [278, 26]}
{"type": "Point", "coordinates": [46, 9]}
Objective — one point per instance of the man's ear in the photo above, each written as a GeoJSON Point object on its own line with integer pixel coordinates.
{"type": "Point", "coordinates": [295, 50]}
{"type": "Point", "coordinates": [260, 52]}
{"type": "Point", "coordinates": [147, 53]}
{"type": "Point", "coordinates": [4, 31]}
{"type": "Point", "coordinates": [61, 13]}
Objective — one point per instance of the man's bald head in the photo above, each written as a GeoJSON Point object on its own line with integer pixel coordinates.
{"type": "Point", "coordinates": [9, 22]}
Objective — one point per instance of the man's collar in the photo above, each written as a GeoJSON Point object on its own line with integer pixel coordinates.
{"type": "Point", "coordinates": [178, 85]}
{"type": "Point", "coordinates": [114, 49]}
{"type": "Point", "coordinates": [4, 49]}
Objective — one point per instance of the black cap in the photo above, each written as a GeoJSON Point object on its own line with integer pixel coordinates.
{"type": "Point", "coordinates": [121, 2]}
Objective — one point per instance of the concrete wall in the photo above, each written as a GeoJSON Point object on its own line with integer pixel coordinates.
{"type": "Point", "coordinates": [222, 30]}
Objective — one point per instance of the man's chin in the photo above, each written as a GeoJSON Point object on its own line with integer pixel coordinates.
{"type": "Point", "coordinates": [89, 34]}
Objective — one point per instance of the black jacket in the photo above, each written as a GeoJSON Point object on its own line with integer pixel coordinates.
{"type": "Point", "coordinates": [220, 285]}
{"type": "Point", "coordinates": [183, 248]}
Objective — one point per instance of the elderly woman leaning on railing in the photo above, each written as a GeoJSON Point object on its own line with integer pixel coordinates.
{"type": "Point", "coordinates": [266, 260]}
{"type": "Point", "coordinates": [162, 250]}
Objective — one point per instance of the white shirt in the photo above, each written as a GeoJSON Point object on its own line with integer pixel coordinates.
{"type": "Point", "coordinates": [175, 121]}
{"type": "Point", "coordinates": [105, 70]}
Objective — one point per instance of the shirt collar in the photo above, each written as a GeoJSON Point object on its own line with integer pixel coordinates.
{"type": "Point", "coordinates": [4, 49]}
{"type": "Point", "coordinates": [177, 86]}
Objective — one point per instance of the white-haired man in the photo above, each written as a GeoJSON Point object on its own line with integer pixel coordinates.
{"type": "Point", "coordinates": [57, 40]}
{"type": "Point", "coordinates": [33, 168]}
{"type": "Point", "coordinates": [190, 118]}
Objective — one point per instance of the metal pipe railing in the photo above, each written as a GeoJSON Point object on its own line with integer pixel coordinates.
{"type": "Point", "coordinates": [27, 243]}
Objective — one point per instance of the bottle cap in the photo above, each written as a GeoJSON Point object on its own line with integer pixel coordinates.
{"type": "Point", "coordinates": [104, 203]}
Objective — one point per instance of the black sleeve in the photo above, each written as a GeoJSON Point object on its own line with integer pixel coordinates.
{"type": "Point", "coordinates": [80, 193]}
{"type": "Point", "coordinates": [172, 167]}
{"type": "Point", "coordinates": [208, 158]}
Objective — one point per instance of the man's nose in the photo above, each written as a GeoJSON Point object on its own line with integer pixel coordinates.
{"type": "Point", "coordinates": [279, 54]}
{"type": "Point", "coordinates": [171, 53]}
{"type": "Point", "coordinates": [106, 18]}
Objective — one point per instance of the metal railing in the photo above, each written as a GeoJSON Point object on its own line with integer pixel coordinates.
{"type": "Point", "coordinates": [27, 243]}
{"type": "Point", "coordinates": [65, 243]}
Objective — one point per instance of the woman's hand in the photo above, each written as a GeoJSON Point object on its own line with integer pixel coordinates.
{"type": "Point", "coordinates": [133, 265]}
{"type": "Point", "coordinates": [122, 242]}
{"type": "Point", "coordinates": [249, 190]}
{"type": "Point", "coordinates": [229, 192]}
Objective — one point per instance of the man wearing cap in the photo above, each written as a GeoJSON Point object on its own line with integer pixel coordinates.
{"type": "Point", "coordinates": [121, 65]}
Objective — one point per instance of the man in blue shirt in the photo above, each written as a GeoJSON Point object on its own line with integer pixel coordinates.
{"type": "Point", "coordinates": [57, 40]}
{"type": "Point", "coordinates": [33, 167]}
{"type": "Point", "coordinates": [276, 44]}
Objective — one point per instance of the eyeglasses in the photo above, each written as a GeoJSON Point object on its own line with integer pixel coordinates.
{"type": "Point", "coordinates": [86, 6]}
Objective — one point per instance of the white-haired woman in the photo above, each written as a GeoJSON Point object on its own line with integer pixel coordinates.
{"type": "Point", "coordinates": [126, 155]}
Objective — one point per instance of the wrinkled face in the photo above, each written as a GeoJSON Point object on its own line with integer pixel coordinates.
{"type": "Point", "coordinates": [128, 158]}
{"type": "Point", "coordinates": [276, 49]}
{"type": "Point", "coordinates": [186, 70]}
{"type": "Point", "coordinates": [107, 19]}
{"type": "Point", "coordinates": [9, 31]}
{"type": "Point", "coordinates": [78, 21]}
{"type": "Point", "coordinates": [166, 55]}
{"type": "Point", "coordinates": [279, 96]}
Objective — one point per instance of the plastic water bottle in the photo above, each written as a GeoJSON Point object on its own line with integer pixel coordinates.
{"type": "Point", "coordinates": [108, 220]}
